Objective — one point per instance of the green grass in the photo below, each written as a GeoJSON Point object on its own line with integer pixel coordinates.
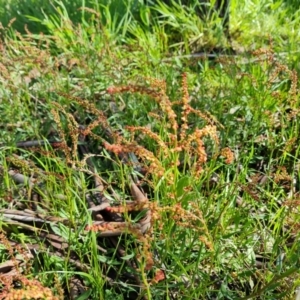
{"type": "Point", "coordinates": [219, 229]}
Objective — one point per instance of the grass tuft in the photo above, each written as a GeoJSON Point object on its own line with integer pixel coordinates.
{"type": "Point", "coordinates": [132, 167]}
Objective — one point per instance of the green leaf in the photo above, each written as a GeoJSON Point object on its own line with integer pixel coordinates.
{"type": "Point", "coordinates": [128, 256]}
{"type": "Point", "coordinates": [144, 14]}
{"type": "Point", "coordinates": [181, 185]}
{"type": "Point", "coordinates": [85, 295]}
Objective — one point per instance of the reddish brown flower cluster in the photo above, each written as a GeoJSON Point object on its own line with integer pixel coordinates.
{"type": "Point", "coordinates": [17, 286]}
{"type": "Point", "coordinates": [27, 290]}
{"type": "Point", "coordinates": [228, 155]}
